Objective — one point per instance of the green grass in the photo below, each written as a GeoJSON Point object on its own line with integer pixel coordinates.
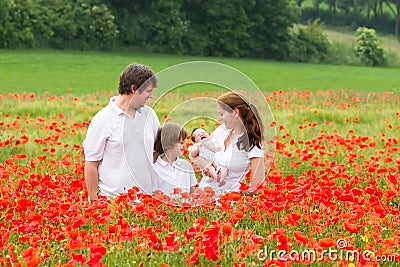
{"type": "Point", "coordinates": [55, 71]}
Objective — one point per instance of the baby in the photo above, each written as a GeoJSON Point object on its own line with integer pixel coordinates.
{"type": "Point", "coordinates": [206, 148]}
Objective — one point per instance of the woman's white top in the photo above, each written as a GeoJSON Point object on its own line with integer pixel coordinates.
{"type": "Point", "coordinates": [237, 162]}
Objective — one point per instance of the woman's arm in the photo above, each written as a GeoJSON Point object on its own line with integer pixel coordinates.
{"type": "Point", "coordinates": [206, 166]}
{"type": "Point", "coordinates": [258, 175]}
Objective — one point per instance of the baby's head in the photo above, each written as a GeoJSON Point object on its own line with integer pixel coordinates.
{"type": "Point", "coordinates": [199, 134]}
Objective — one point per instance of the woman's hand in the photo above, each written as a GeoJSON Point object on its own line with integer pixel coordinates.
{"type": "Point", "coordinates": [221, 176]}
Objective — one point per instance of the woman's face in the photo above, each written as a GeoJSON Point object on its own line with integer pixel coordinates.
{"type": "Point", "coordinates": [229, 118]}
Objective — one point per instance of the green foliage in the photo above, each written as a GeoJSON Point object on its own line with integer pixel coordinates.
{"type": "Point", "coordinates": [22, 22]}
{"type": "Point", "coordinates": [271, 21]}
{"type": "Point", "coordinates": [340, 53]}
{"type": "Point", "coordinates": [231, 28]}
{"type": "Point", "coordinates": [369, 47]}
{"type": "Point", "coordinates": [166, 26]}
{"type": "Point", "coordinates": [98, 27]}
{"type": "Point", "coordinates": [75, 24]}
{"type": "Point", "coordinates": [217, 28]}
{"type": "Point", "coordinates": [203, 27]}
{"type": "Point", "coordinates": [309, 44]}
{"type": "Point", "coordinates": [377, 14]}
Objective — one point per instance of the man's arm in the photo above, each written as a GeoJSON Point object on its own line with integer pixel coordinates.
{"type": "Point", "coordinates": [92, 178]}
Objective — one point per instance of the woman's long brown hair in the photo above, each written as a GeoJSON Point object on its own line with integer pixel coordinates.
{"type": "Point", "coordinates": [250, 118]}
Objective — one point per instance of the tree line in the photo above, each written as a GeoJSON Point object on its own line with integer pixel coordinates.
{"type": "Point", "coordinates": [381, 15]}
{"type": "Point", "coordinates": [234, 28]}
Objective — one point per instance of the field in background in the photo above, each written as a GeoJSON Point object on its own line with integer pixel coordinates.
{"type": "Point", "coordinates": [348, 38]}
{"type": "Point", "coordinates": [39, 71]}
{"type": "Point", "coordinates": [333, 185]}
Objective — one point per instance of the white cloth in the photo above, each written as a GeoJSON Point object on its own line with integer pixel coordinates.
{"type": "Point", "coordinates": [179, 174]}
{"type": "Point", "coordinates": [208, 150]}
{"type": "Point", "coordinates": [237, 162]}
{"type": "Point", "coordinates": [124, 147]}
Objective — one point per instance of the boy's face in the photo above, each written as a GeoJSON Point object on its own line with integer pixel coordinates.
{"type": "Point", "coordinates": [199, 135]}
{"type": "Point", "coordinates": [177, 150]}
{"type": "Point", "coordinates": [182, 146]}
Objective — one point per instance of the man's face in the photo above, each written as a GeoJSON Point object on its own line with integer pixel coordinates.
{"type": "Point", "coordinates": [140, 98]}
{"type": "Point", "coordinates": [199, 135]}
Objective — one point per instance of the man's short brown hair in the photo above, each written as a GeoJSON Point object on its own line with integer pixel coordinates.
{"type": "Point", "coordinates": [137, 75]}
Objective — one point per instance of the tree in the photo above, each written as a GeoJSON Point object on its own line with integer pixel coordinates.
{"type": "Point", "coordinates": [220, 26]}
{"type": "Point", "coordinates": [270, 24]}
{"type": "Point", "coordinates": [157, 25]}
{"type": "Point", "coordinates": [369, 47]}
{"type": "Point", "coordinates": [332, 4]}
{"type": "Point", "coordinates": [131, 18]}
{"type": "Point", "coordinates": [23, 23]}
{"type": "Point", "coordinates": [56, 23]}
{"type": "Point", "coordinates": [167, 26]}
{"type": "Point", "coordinates": [309, 44]}
{"type": "Point", "coordinates": [394, 6]}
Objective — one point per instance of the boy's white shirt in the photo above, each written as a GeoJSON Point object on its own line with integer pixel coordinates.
{"type": "Point", "coordinates": [179, 174]}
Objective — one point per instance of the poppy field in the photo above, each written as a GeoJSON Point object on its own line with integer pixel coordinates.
{"type": "Point", "coordinates": [331, 196]}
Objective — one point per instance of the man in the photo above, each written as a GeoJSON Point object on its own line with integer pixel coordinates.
{"type": "Point", "coordinates": [119, 142]}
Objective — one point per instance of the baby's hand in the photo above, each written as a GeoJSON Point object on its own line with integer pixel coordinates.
{"type": "Point", "coordinates": [210, 172]}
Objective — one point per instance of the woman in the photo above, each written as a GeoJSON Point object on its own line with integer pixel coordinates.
{"type": "Point", "coordinates": [242, 136]}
